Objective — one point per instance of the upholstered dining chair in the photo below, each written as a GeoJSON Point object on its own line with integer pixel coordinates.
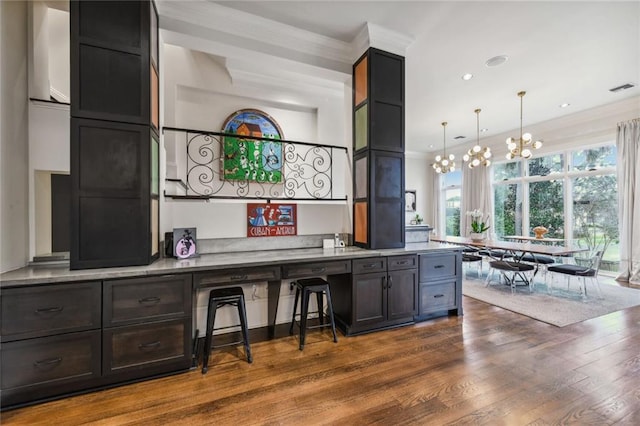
{"type": "Point", "coordinates": [512, 272]}
{"type": "Point", "coordinates": [589, 271]}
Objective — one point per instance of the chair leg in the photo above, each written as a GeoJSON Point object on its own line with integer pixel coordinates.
{"type": "Point", "coordinates": [245, 334]}
{"type": "Point", "coordinates": [295, 307]}
{"type": "Point", "coordinates": [488, 280]}
{"type": "Point", "coordinates": [211, 316]}
{"type": "Point", "coordinates": [304, 312]}
{"type": "Point", "coordinates": [331, 319]}
{"type": "Point", "coordinates": [320, 307]}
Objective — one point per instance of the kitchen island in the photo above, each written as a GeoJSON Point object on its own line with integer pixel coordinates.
{"type": "Point", "coordinates": [67, 331]}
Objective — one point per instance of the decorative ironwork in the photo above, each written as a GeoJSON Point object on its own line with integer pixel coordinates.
{"type": "Point", "coordinates": [307, 170]}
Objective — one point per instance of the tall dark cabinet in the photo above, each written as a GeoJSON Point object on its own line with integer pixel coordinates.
{"type": "Point", "coordinates": [114, 134]}
{"type": "Point", "coordinates": [378, 147]}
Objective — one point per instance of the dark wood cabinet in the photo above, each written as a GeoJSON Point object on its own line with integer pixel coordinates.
{"type": "Point", "coordinates": [440, 287]}
{"type": "Point", "coordinates": [378, 145]}
{"type": "Point", "coordinates": [382, 294]}
{"type": "Point", "coordinates": [63, 338]}
{"type": "Point", "coordinates": [114, 134]}
{"type": "Point", "coordinates": [147, 325]}
{"type": "Point", "coordinates": [50, 340]}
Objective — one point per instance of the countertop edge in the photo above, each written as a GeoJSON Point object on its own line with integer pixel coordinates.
{"type": "Point", "coordinates": [40, 275]}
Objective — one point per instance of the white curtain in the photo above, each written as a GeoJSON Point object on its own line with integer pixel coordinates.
{"type": "Point", "coordinates": [476, 194]}
{"type": "Point", "coordinates": [436, 207]}
{"type": "Point", "coordinates": [628, 146]}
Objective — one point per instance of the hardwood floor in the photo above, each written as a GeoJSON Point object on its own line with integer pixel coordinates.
{"type": "Point", "coordinates": [490, 367]}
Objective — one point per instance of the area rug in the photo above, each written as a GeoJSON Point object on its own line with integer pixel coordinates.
{"type": "Point", "coordinates": [563, 307]}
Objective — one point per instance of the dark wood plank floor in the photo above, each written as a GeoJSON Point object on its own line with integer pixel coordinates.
{"type": "Point", "coordinates": [490, 367]}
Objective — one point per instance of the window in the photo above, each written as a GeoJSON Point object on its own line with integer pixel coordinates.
{"type": "Point", "coordinates": [573, 194]}
{"type": "Point", "coordinates": [451, 194]}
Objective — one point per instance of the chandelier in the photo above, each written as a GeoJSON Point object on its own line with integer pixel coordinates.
{"type": "Point", "coordinates": [444, 163]}
{"type": "Point", "coordinates": [478, 155]}
{"type": "Point", "coordinates": [520, 147]}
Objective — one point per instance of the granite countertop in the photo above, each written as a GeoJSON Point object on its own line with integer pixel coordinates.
{"type": "Point", "coordinates": [31, 275]}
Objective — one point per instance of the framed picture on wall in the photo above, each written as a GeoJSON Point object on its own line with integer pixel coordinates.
{"type": "Point", "coordinates": [184, 243]}
{"type": "Point", "coordinates": [410, 201]}
{"type": "Point", "coordinates": [249, 159]}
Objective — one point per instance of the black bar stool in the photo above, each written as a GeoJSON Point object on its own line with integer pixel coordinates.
{"type": "Point", "coordinates": [306, 286]}
{"type": "Point", "coordinates": [219, 297]}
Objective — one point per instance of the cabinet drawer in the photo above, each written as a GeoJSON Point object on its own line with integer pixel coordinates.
{"type": "Point", "coordinates": [51, 361]}
{"type": "Point", "coordinates": [437, 297]}
{"type": "Point", "coordinates": [316, 268]}
{"type": "Point", "coordinates": [146, 345]}
{"type": "Point", "coordinates": [145, 299]}
{"type": "Point", "coordinates": [236, 276]}
{"type": "Point", "coordinates": [49, 309]}
{"type": "Point", "coordinates": [370, 264]}
{"type": "Point", "coordinates": [433, 267]}
{"type": "Point", "coordinates": [402, 262]}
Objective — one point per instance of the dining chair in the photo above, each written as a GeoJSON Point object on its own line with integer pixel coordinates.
{"type": "Point", "coordinates": [512, 272]}
{"type": "Point", "coordinates": [588, 271]}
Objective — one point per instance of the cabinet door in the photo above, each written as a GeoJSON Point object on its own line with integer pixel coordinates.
{"type": "Point", "coordinates": [369, 301]}
{"type": "Point", "coordinates": [402, 293]}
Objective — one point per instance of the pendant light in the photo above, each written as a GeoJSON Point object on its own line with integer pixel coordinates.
{"type": "Point", "coordinates": [520, 147]}
{"type": "Point", "coordinates": [443, 163]}
{"type": "Point", "coordinates": [478, 155]}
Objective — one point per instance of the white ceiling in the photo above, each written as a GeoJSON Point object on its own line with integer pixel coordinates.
{"type": "Point", "coordinates": [559, 52]}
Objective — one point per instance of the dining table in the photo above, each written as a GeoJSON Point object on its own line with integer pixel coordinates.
{"type": "Point", "coordinates": [513, 247]}
{"type": "Point", "coordinates": [534, 239]}
{"type": "Point", "coordinates": [515, 251]}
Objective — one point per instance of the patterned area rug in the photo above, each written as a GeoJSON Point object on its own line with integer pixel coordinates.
{"type": "Point", "coordinates": [563, 307]}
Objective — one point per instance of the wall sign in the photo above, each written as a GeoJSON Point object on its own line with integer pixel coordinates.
{"type": "Point", "coordinates": [252, 160]}
{"type": "Point", "coordinates": [271, 220]}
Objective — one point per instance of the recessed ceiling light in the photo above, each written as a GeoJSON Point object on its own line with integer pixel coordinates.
{"type": "Point", "coordinates": [484, 130]}
{"type": "Point", "coordinates": [496, 60]}
{"type": "Point", "coordinates": [430, 145]}
{"type": "Point", "coordinates": [467, 76]}
{"type": "Point", "coordinates": [564, 105]}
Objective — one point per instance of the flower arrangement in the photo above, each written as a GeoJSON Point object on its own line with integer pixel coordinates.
{"type": "Point", "coordinates": [477, 224]}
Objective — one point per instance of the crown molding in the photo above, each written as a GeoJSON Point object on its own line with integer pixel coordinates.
{"type": "Point", "coordinates": [253, 32]}
{"type": "Point", "coordinates": [372, 35]}
{"type": "Point", "coordinates": [245, 72]}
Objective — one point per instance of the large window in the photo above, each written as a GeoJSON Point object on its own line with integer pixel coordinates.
{"type": "Point", "coordinates": [573, 194]}
{"type": "Point", "coordinates": [451, 187]}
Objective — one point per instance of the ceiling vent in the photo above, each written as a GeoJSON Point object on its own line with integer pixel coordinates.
{"type": "Point", "coordinates": [460, 137]}
{"type": "Point", "coordinates": [622, 87]}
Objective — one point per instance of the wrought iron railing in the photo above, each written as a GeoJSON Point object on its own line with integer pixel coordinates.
{"type": "Point", "coordinates": [301, 171]}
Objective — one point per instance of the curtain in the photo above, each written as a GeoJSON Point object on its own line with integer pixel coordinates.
{"type": "Point", "coordinates": [436, 205]}
{"type": "Point", "coordinates": [628, 146]}
{"type": "Point", "coordinates": [476, 194]}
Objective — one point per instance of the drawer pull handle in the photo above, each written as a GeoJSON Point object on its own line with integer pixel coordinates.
{"type": "Point", "coordinates": [149, 346]}
{"type": "Point", "coordinates": [438, 296]}
{"type": "Point", "coordinates": [369, 265]}
{"type": "Point", "coordinates": [238, 277]}
{"type": "Point", "coordinates": [439, 266]}
{"type": "Point", "coordinates": [404, 262]}
{"type": "Point", "coordinates": [49, 310]}
{"type": "Point", "coordinates": [47, 362]}
{"type": "Point", "coordinates": [318, 270]}
{"type": "Point", "coordinates": [149, 301]}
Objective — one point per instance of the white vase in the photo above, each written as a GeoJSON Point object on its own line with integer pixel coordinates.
{"type": "Point", "coordinates": [476, 236]}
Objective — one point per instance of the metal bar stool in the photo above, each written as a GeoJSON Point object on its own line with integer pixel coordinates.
{"type": "Point", "coordinates": [219, 297]}
{"type": "Point", "coordinates": [307, 286]}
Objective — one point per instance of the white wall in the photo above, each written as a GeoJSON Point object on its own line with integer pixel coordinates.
{"type": "Point", "coordinates": [199, 93]}
{"type": "Point", "coordinates": [416, 173]}
{"type": "Point", "coordinates": [59, 60]}
{"type": "Point", "coordinates": [13, 135]}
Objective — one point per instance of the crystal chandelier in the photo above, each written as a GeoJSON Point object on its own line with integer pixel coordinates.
{"type": "Point", "coordinates": [478, 155]}
{"type": "Point", "coordinates": [519, 147]}
{"type": "Point", "coordinates": [444, 163]}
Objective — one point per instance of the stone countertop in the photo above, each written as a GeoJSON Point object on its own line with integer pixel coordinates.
{"type": "Point", "coordinates": [31, 275]}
